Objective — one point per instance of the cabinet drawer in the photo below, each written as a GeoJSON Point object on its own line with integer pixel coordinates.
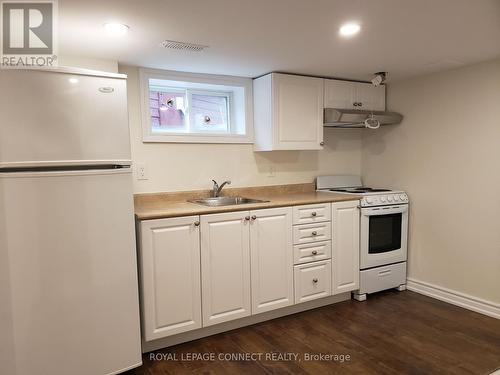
{"type": "Point", "coordinates": [306, 233]}
{"type": "Point", "coordinates": [312, 252]}
{"type": "Point", "coordinates": [312, 281]}
{"type": "Point", "coordinates": [380, 278]}
{"type": "Point", "coordinates": [311, 213]}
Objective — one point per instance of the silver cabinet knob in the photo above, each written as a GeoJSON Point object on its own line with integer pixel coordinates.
{"type": "Point", "coordinates": [314, 252]}
{"type": "Point", "coordinates": [321, 143]}
{"type": "Point", "coordinates": [254, 217]}
{"type": "Point", "coordinates": [314, 233]}
{"type": "Point", "coordinates": [313, 213]}
{"type": "Point", "coordinates": [315, 281]}
{"type": "Point", "coordinates": [207, 119]}
{"type": "Point", "coordinates": [247, 218]}
{"type": "Point", "coordinates": [196, 223]}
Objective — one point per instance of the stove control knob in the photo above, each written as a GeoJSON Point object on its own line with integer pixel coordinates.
{"type": "Point", "coordinates": [396, 198]}
{"type": "Point", "coordinates": [369, 200]}
{"type": "Point", "coordinates": [390, 198]}
{"type": "Point", "coordinates": [383, 198]}
{"type": "Point", "coordinates": [402, 197]}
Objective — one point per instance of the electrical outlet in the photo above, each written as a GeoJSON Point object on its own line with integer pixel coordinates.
{"type": "Point", "coordinates": [141, 172]}
{"type": "Point", "coordinates": [272, 171]}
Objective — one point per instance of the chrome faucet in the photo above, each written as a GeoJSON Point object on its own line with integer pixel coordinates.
{"type": "Point", "coordinates": [217, 189]}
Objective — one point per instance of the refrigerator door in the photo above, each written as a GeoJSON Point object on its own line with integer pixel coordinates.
{"type": "Point", "coordinates": [62, 118]}
{"type": "Point", "coordinates": [69, 291]}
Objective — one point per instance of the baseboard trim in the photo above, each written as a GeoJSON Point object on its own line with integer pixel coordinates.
{"type": "Point", "coordinates": [455, 298]}
{"type": "Point", "coordinates": [148, 346]}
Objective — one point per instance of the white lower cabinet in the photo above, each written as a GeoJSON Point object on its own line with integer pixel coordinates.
{"type": "Point", "coordinates": [198, 271]}
{"type": "Point", "coordinates": [313, 281]}
{"type": "Point", "coordinates": [345, 246]}
{"type": "Point", "coordinates": [225, 267]}
{"type": "Point", "coordinates": [170, 276]}
{"type": "Point", "coordinates": [271, 259]}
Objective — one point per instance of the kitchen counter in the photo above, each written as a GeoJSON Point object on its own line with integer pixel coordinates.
{"type": "Point", "coordinates": [163, 205]}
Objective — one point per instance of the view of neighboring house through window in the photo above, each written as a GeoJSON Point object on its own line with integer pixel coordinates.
{"type": "Point", "coordinates": [167, 110]}
{"type": "Point", "coordinates": [175, 110]}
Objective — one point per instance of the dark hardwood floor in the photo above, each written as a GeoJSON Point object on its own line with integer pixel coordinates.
{"type": "Point", "coordinates": [391, 333]}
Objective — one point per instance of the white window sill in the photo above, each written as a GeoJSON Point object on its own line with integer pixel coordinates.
{"type": "Point", "coordinates": [195, 138]}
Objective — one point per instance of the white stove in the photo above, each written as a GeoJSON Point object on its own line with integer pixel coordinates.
{"type": "Point", "coordinates": [352, 185]}
{"type": "Point", "coordinates": [383, 232]}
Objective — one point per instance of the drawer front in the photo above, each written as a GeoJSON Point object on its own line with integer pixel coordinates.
{"type": "Point", "coordinates": [312, 252]}
{"type": "Point", "coordinates": [381, 278]}
{"type": "Point", "coordinates": [306, 233]}
{"type": "Point", "coordinates": [312, 213]}
{"type": "Point", "coordinates": [313, 281]}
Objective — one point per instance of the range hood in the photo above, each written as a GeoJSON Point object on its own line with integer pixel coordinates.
{"type": "Point", "coordinates": [354, 118]}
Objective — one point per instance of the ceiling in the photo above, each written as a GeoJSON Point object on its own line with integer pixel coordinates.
{"type": "Point", "coordinates": [253, 37]}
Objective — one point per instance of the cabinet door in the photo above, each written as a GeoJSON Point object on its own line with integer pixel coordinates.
{"type": "Point", "coordinates": [271, 259]}
{"type": "Point", "coordinates": [298, 112]}
{"type": "Point", "coordinates": [340, 94]}
{"type": "Point", "coordinates": [170, 276]}
{"type": "Point", "coordinates": [372, 98]}
{"type": "Point", "coordinates": [225, 267]}
{"type": "Point", "coordinates": [345, 246]}
{"type": "Point", "coordinates": [313, 281]}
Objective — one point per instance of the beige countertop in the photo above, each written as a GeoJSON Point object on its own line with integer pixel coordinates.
{"type": "Point", "coordinates": [163, 205]}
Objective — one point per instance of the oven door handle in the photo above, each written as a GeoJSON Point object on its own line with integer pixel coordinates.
{"type": "Point", "coordinates": [384, 210]}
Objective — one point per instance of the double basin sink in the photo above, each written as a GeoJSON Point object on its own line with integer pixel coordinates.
{"type": "Point", "coordinates": [225, 201]}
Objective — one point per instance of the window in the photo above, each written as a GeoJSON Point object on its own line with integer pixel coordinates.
{"type": "Point", "coordinates": [196, 108]}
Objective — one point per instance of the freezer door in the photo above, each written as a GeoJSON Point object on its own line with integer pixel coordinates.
{"type": "Point", "coordinates": [62, 118]}
{"type": "Point", "coordinates": [69, 290]}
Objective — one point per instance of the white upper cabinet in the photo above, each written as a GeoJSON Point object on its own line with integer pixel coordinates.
{"type": "Point", "coordinates": [271, 259]}
{"type": "Point", "coordinates": [345, 246]}
{"type": "Point", "coordinates": [170, 276]}
{"type": "Point", "coordinates": [339, 94]}
{"type": "Point", "coordinates": [354, 95]}
{"type": "Point", "coordinates": [369, 97]}
{"type": "Point", "coordinates": [288, 112]}
{"type": "Point", "coordinates": [225, 267]}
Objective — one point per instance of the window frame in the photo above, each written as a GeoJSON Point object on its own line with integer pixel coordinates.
{"type": "Point", "coordinates": [240, 107]}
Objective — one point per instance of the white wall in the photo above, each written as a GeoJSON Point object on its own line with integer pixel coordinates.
{"type": "Point", "coordinates": [446, 155]}
{"type": "Point", "coordinates": [174, 167]}
{"type": "Point", "coordinates": [88, 63]}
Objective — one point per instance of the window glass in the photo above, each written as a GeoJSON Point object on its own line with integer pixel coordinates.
{"type": "Point", "coordinates": [168, 110]}
{"type": "Point", "coordinates": [210, 113]}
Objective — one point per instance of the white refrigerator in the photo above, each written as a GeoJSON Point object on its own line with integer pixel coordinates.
{"type": "Point", "coordinates": [68, 274]}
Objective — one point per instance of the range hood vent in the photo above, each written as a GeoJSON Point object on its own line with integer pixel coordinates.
{"type": "Point", "coordinates": [353, 118]}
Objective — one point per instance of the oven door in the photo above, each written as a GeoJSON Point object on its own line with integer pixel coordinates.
{"type": "Point", "coordinates": [384, 235]}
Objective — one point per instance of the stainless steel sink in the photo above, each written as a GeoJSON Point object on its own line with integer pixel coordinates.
{"type": "Point", "coordinates": [225, 201]}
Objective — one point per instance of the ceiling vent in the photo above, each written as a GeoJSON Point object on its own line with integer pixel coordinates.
{"type": "Point", "coordinates": [183, 46]}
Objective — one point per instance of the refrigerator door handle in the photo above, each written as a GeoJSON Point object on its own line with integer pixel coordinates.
{"type": "Point", "coordinates": [66, 172]}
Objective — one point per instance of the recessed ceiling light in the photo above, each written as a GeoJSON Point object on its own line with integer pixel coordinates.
{"type": "Point", "coordinates": [349, 29]}
{"type": "Point", "coordinates": [115, 29]}
{"type": "Point", "coordinates": [73, 80]}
